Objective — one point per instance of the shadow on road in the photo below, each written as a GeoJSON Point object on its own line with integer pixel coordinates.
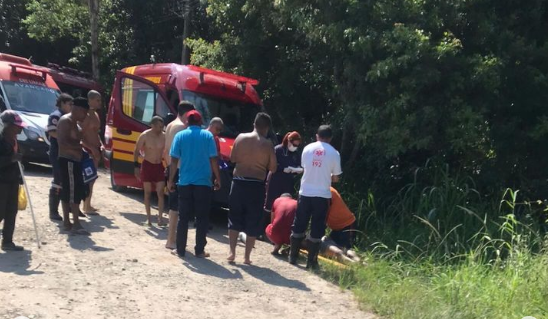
{"type": "Point", "coordinates": [271, 277]}
{"type": "Point", "coordinates": [18, 262]}
{"type": "Point", "coordinates": [206, 267]}
{"type": "Point", "coordinates": [141, 220]}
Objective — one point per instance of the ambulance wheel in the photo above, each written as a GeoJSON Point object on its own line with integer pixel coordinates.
{"type": "Point", "coordinates": [115, 187]}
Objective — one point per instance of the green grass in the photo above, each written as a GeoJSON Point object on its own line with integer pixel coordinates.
{"type": "Point", "coordinates": [439, 249]}
{"type": "Point", "coordinates": [515, 289]}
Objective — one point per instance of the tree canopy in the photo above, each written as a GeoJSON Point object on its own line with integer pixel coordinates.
{"type": "Point", "coordinates": [404, 82]}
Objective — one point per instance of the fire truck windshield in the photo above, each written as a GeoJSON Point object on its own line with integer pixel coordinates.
{"type": "Point", "coordinates": [238, 117]}
{"type": "Point", "coordinates": [30, 98]}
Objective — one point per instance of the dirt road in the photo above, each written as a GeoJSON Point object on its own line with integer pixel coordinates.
{"type": "Point", "coordinates": [123, 271]}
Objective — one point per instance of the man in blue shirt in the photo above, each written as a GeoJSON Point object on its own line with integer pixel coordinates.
{"type": "Point", "coordinates": [193, 150]}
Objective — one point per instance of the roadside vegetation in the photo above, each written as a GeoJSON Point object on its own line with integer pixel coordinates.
{"type": "Point", "coordinates": [439, 249]}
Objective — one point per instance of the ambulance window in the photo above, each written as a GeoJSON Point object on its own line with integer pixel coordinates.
{"type": "Point", "coordinates": [141, 102]}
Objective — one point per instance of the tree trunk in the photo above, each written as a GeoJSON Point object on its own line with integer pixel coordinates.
{"type": "Point", "coordinates": [185, 58]}
{"type": "Point", "coordinates": [94, 28]}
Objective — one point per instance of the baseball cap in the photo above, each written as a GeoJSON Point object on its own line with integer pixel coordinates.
{"type": "Point", "coordinates": [11, 117]}
{"type": "Point", "coordinates": [194, 117]}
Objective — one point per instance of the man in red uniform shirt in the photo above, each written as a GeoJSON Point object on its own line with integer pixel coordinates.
{"type": "Point", "coordinates": [282, 216]}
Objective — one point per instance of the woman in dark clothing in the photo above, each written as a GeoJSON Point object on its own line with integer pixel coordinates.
{"type": "Point", "coordinates": [289, 164]}
{"type": "Point", "coordinates": [10, 177]}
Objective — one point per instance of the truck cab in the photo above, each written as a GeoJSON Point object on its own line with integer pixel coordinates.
{"type": "Point", "coordinates": [141, 92]}
{"type": "Point", "coordinates": [32, 93]}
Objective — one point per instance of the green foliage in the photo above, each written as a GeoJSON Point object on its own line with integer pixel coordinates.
{"type": "Point", "coordinates": [51, 20]}
{"type": "Point", "coordinates": [513, 289]}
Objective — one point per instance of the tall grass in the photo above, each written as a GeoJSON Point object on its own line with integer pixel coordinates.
{"type": "Point", "coordinates": [439, 249]}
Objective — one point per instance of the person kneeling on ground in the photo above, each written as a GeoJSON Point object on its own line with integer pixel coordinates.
{"type": "Point", "coordinates": [282, 216]}
{"type": "Point", "coordinates": [10, 175]}
{"type": "Point", "coordinates": [341, 221]}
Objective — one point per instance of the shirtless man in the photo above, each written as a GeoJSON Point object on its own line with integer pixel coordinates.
{"type": "Point", "coordinates": [73, 189]}
{"type": "Point", "coordinates": [179, 124]}
{"type": "Point", "coordinates": [152, 143]}
{"type": "Point", "coordinates": [254, 157]}
{"type": "Point", "coordinates": [92, 142]}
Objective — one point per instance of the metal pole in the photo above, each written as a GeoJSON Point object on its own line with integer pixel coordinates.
{"type": "Point", "coordinates": [30, 204]}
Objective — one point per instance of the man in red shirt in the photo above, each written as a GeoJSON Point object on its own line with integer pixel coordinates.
{"type": "Point", "coordinates": [282, 216]}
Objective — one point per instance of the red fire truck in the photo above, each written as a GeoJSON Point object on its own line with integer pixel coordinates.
{"type": "Point", "coordinates": [143, 91]}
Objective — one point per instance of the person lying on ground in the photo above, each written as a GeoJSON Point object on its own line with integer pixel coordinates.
{"type": "Point", "coordinates": [151, 172]}
{"type": "Point", "coordinates": [329, 248]}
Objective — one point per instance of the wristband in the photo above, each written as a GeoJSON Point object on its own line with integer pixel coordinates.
{"type": "Point", "coordinates": [136, 164]}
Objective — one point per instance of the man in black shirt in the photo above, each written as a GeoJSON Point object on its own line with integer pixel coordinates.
{"type": "Point", "coordinates": [10, 176]}
{"type": "Point", "coordinates": [64, 106]}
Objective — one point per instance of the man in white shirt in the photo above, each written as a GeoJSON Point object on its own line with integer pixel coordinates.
{"type": "Point", "coordinates": [322, 166]}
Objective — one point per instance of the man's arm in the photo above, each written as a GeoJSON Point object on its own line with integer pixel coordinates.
{"type": "Point", "coordinates": [167, 146]}
{"type": "Point", "coordinates": [213, 161]}
{"type": "Point", "coordinates": [272, 162]}
{"type": "Point", "coordinates": [336, 171]}
{"type": "Point", "coordinates": [215, 168]}
{"type": "Point", "coordinates": [138, 148]}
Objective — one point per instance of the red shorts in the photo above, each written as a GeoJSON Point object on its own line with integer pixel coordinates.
{"type": "Point", "coordinates": [152, 173]}
{"type": "Point", "coordinates": [278, 239]}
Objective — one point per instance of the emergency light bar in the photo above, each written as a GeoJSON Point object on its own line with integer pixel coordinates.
{"type": "Point", "coordinates": [241, 79]}
{"type": "Point", "coordinates": [14, 68]}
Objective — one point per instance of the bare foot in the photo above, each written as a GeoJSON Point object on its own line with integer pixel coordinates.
{"type": "Point", "coordinates": [149, 223]}
{"type": "Point", "coordinates": [171, 246]}
{"type": "Point", "coordinates": [203, 255]}
{"type": "Point", "coordinates": [248, 262]}
{"type": "Point", "coordinates": [231, 258]}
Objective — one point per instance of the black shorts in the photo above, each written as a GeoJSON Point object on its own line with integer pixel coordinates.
{"type": "Point", "coordinates": [173, 200]}
{"type": "Point", "coordinates": [246, 203]}
{"type": "Point", "coordinates": [73, 188]}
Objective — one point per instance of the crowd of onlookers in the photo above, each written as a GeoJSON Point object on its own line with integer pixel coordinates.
{"type": "Point", "coordinates": [263, 183]}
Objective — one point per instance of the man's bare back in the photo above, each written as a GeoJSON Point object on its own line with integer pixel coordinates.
{"type": "Point", "coordinates": [171, 130]}
{"type": "Point", "coordinates": [152, 144]}
{"type": "Point", "coordinates": [253, 155]}
{"type": "Point", "coordinates": [69, 136]}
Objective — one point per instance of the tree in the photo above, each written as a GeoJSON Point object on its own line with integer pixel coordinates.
{"type": "Point", "coordinates": [94, 30]}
